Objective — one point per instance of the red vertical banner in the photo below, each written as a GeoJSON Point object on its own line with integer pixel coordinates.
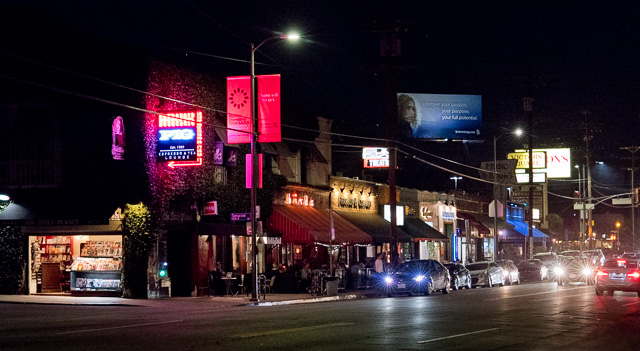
{"type": "Point", "coordinates": [239, 110]}
{"type": "Point", "coordinates": [249, 174]}
{"type": "Point", "coordinates": [269, 108]}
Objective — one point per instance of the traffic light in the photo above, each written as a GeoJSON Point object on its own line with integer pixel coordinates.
{"type": "Point", "coordinates": [162, 270]}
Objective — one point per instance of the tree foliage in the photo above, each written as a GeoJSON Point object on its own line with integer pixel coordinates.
{"type": "Point", "coordinates": [137, 240]}
{"type": "Point", "coordinates": [12, 261]}
{"type": "Point", "coordinates": [556, 223]}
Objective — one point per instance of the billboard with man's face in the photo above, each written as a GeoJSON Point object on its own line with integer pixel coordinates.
{"type": "Point", "coordinates": [439, 116]}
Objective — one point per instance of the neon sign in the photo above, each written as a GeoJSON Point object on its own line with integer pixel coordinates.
{"type": "Point", "coordinates": [301, 200]}
{"type": "Point", "coordinates": [179, 141]}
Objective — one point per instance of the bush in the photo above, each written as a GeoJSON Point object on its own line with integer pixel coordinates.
{"type": "Point", "coordinates": [12, 261]}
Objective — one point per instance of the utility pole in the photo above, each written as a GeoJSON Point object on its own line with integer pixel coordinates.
{"type": "Point", "coordinates": [587, 137]}
{"type": "Point", "coordinates": [528, 107]}
{"type": "Point", "coordinates": [633, 150]}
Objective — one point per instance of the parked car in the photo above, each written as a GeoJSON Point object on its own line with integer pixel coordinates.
{"type": "Point", "coordinates": [510, 271]}
{"type": "Point", "coordinates": [485, 273]}
{"type": "Point", "coordinates": [572, 269]}
{"type": "Point", "coordinates": [460, 276]}
{"type": "Point", "coordinates": [533, 270]}
{"type": "Point", "coordinates": [618, 275]}
{"type": "Point", "coordinates": [418, 277]}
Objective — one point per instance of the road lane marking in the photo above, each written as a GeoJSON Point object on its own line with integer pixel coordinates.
{"type": "Point", "coordinates": [633, 303]}
{"type": "Point", "coordinates": [532, 294]}
{"type": "Point", "coordinates": [457, 335]}
{"type": "Point", "coordinates": [291, 330]}
{"type": "Point", "coordinates": [120, 327]}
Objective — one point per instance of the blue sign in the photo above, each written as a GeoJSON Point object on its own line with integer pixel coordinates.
{"type": "Point", "coordinates": [439, 116]}
{"type": "Point", "coordinates": [245, 217]}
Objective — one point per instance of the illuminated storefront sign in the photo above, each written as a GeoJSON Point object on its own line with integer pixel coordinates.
{"type": "Point", "coordinates": [179, 140]}
{"type": "Point", "coordinates": [539, 159]}
{"type": "Point", "coordinates": [375, 157]}
{"type": "Point", "coordinates": [301, 200]}
{"type": "Point", "coordinates": [399, 214]}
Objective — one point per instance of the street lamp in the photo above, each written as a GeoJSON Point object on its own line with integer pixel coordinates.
{"type": "Point", "coordinates": [517, 132]}
{"type": "Point", "coordinates": [254, 159]}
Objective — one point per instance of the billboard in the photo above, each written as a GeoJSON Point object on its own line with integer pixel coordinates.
{"type": "Point", "coordinates": [558, 162]}
{"type": "Point", "coordinates": [439, 116]}
{"type": "Point", "coordinates": [375, 157]}
{"type": "Point", "coordinates": [179, 140]}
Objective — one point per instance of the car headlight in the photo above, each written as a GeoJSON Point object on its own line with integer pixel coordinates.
{"type": "Point", "coordinates": [587, 271]}
{"type": "Point", "coordinates": [388, 280]}
{"type": "Point", "coordinates": [505, 273]}
{"type": "Point", "coordinates": [558, 271]}
{"type": "Point", "coordinates": [419, 278]}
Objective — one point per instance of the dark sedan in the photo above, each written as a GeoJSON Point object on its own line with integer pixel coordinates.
{"type": "Point", "coordinates": [460, 276]}
{"type": "Point", "coordinates": [618, 275]}
{"type": "Point", "coordinates": [533, 270]}
{"type": "Point", "coordinates": [418, 277]}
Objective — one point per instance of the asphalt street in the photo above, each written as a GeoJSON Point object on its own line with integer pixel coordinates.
{"type": "Point", "coordinates": [531, 316]}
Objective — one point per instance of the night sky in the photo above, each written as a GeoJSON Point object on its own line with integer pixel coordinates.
{"type": "Point", "coordinates": [571, 57]}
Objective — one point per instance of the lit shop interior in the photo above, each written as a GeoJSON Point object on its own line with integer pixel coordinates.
{"type": "Point", "coordinates": [75, 264]}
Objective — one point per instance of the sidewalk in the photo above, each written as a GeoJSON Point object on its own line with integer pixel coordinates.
{"type": "Point", "coordinates": [225, 301]}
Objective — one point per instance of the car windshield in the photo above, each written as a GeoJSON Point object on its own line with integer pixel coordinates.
{"type": "Point", "coordinates": [620, 264]}
{"type": "Point", "coordinates": [477, 266]}
{"type": "Point", "coordinates": [546, 257]}
{"type": "Point", "coordinates": [410, 267]}
{"type": "Point", "coordinates": [571, 253]}
{"type": "Point", "coordinates": [528, 263]}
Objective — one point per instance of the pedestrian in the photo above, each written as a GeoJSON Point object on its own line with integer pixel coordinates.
{"type": "Point", "coordinates": [378, 266]}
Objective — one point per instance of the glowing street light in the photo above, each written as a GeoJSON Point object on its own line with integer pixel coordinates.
{"type": "Point", "coordinates": [254, 159]}
{"type": "Point", "coordinates": [517, 132]}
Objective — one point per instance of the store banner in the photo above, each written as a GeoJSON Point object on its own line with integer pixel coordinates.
{"type": "Point", "coordinates": [239, 110]}
{"type": "Point", "coordinates": [218, 153]}
{"type": "Point", "coordinates": [269, 108]}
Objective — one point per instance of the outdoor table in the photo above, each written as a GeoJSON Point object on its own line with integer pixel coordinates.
{"type": "Point", "coordinates": [228, 281]}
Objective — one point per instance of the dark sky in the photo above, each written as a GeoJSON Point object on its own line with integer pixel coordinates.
{"type": "Point", "coordinates": [573, 56]}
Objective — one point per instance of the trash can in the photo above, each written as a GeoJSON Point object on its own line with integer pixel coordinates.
{"type": "Point", "coordinates": [331, 283]}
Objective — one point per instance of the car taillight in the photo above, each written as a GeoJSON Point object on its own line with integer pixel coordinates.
{"type": "Point", "coordinates": [621, 262]}
{"type": "Point", "coordinates": [634, 275]}
{"type": "Point", "coordinates": [602, 273]}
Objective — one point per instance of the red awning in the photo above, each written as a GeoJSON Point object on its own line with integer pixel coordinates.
{"type": "Point", "coordinates": [307, 225]}
{"type": "Point", "coordinates": [481, 228]}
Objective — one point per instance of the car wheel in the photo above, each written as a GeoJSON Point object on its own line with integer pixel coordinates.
{"type": "Point", "coordinates": [454, 285]}
{"type": "Point", "coordinates": [468, 282]}
{"type": "Point", "coordinates": [599, 291]}
{"type": "Point", "coordinates": [447, 287]}
{"type": "Point", "coordinates": [429, 290]}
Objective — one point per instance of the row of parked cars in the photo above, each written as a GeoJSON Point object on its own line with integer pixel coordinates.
{"type": "Point", "coordinates": [428, 276]}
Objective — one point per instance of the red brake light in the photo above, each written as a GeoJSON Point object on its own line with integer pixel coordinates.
{"type": "Point", "coordinates": [634, 275]}
{"type": "Point", "coordinates": [602, 273]}
{"type": "Point", "coordinates": [621, 261]}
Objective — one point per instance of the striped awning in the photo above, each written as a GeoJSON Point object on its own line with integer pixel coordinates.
{"type": "Point", "coordinates": [307, 225]}
{"type": "Point", "coordinates": [481, 228]}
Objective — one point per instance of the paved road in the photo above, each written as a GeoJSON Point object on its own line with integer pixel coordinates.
{"type": "Point", "coordinates": [534, 316]}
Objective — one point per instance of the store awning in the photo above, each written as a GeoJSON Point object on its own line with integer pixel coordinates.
{"type": "Point", "coordinates": [374, 225]}
{"type": "Point", "coordinates": [481, 228]}
{"type": "Point", "coordinates": [523, 228]}
{"type": "Point", "coordinates": [420, 230]}
{"type": "Point", "coordinates": [307, 225]}
{"type": "Point", "coordinates": [488, 221]}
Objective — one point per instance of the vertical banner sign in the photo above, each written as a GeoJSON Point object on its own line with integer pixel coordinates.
{"type": "Point", "coordinates": [218, 153]}
{"type": "Point", "coordinates": [239, 110]}
{"type": "Point", "coordinates": [180, 138]}
{"type": "Point", "coordinates": [249, 173]}
{"type": "Point", "coordinates": [117, 139]}
{"type": "Point", "coordinates": [269, 108]}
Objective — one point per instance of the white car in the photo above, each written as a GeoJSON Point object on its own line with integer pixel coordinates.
{"type": "Point", "coordinates": [485, 273]}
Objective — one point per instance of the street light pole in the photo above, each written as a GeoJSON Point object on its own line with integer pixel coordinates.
{"type": "Point", "coordinates": [255, 296]}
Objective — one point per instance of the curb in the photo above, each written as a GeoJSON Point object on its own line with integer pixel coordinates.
{"type": "Point", "coordinates": [303, 301]}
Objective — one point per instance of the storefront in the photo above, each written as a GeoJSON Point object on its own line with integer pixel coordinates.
{"type": "Point", "coordinates": [476, 242]}
{"type": "Point", "coordinates": [81, 260]}
{"type": "Point", "coordinates": [441, 217]}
